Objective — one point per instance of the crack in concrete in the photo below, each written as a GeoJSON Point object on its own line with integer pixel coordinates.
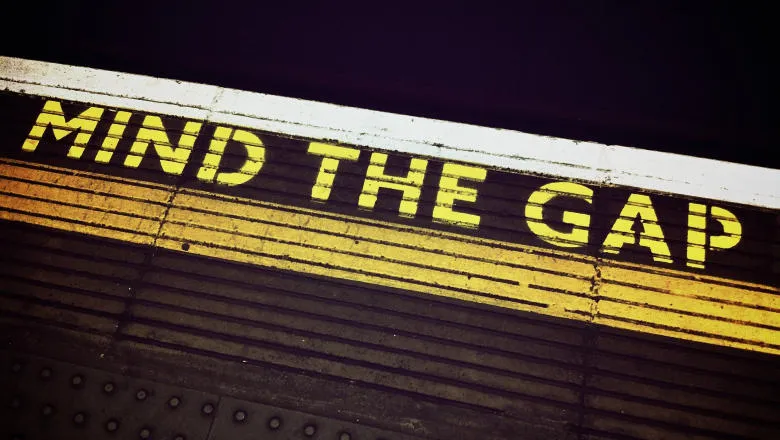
{"type": "Point", "coordinates": [589, 344]}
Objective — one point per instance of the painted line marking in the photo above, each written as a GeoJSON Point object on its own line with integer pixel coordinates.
{"type": "Point", "coordinates": [300, 240]}
{"type": "Point", "coordinates": [567, 159]}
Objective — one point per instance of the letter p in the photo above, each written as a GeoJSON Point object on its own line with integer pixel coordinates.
{"type": "Point", "coordinates": [698, 237]}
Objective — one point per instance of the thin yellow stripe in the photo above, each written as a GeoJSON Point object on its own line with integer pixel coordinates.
{"type": "Point", "coordinates": [58, 178]}
{"type": "Point", "coordinates": [416, 259]}
{"type": "Point", "coordinates": [696, 306]}
{"type": "Point", "coordinates": [337, 271]}
{"type": "Point", "coordinates": [431, 240]}
{"type": "Point", "coordinates": [685, 284]}
{"type": "Point", "coordinates": [685, 322]}
{"type": "Point", "coordinates": [25, 193]}
{"type": "Point", "coordinates": [374, 253]}
{"type": "Point", "coordinates": [59, 172]}
{"type": "Point", "coordinates": [82, 220]}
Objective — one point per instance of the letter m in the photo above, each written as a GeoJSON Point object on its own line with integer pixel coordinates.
{"type": "Point", "coordinates": [52, 115]}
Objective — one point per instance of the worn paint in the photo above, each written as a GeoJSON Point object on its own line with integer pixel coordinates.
{"type": "Point", "coordinates": [568, 159]}
{"type": "Point", "coordinates": [488, 203]}
{"type": "Point", "coordinates": [243, 260]}
{"type": "Point", "coordinates": [442, 222]}
{"type": "Point", "coordinates": [447, 264]}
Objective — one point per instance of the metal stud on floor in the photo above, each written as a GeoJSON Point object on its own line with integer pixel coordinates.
{"type": "Point", "coordinates": [46, 373]}
{"type": "Point", "coordinates": [85, 391]}
{"type": "Point", "coordinates": [47, 410]}
{"type": "Point", "coordinates": [79, 418]}
{"type": "Point", "coordinates": [174, 402]}
{"type": "Point", "coordinates": [101, 405]}
{"type": "Point", "coordinates": [77, 381]}
{"type": "Point", "coordinates": [240, 416]}
{"type": "Point", "coordinates": [112, 425]}
{"type": "Point", "coordinates": [141, 395]}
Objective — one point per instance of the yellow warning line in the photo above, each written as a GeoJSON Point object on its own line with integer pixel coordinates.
{"type": "Point", "coordinates": [560, 284]}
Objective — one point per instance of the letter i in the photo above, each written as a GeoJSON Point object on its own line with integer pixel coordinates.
{"type": "Point", "coordinates": [115, 132]}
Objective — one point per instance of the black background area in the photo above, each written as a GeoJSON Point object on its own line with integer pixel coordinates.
{"type": "Point", "coordinates": [692, 78]}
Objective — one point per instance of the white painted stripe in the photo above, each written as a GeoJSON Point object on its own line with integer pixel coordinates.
{"type": "Point", "coordinates": [523, 152]}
